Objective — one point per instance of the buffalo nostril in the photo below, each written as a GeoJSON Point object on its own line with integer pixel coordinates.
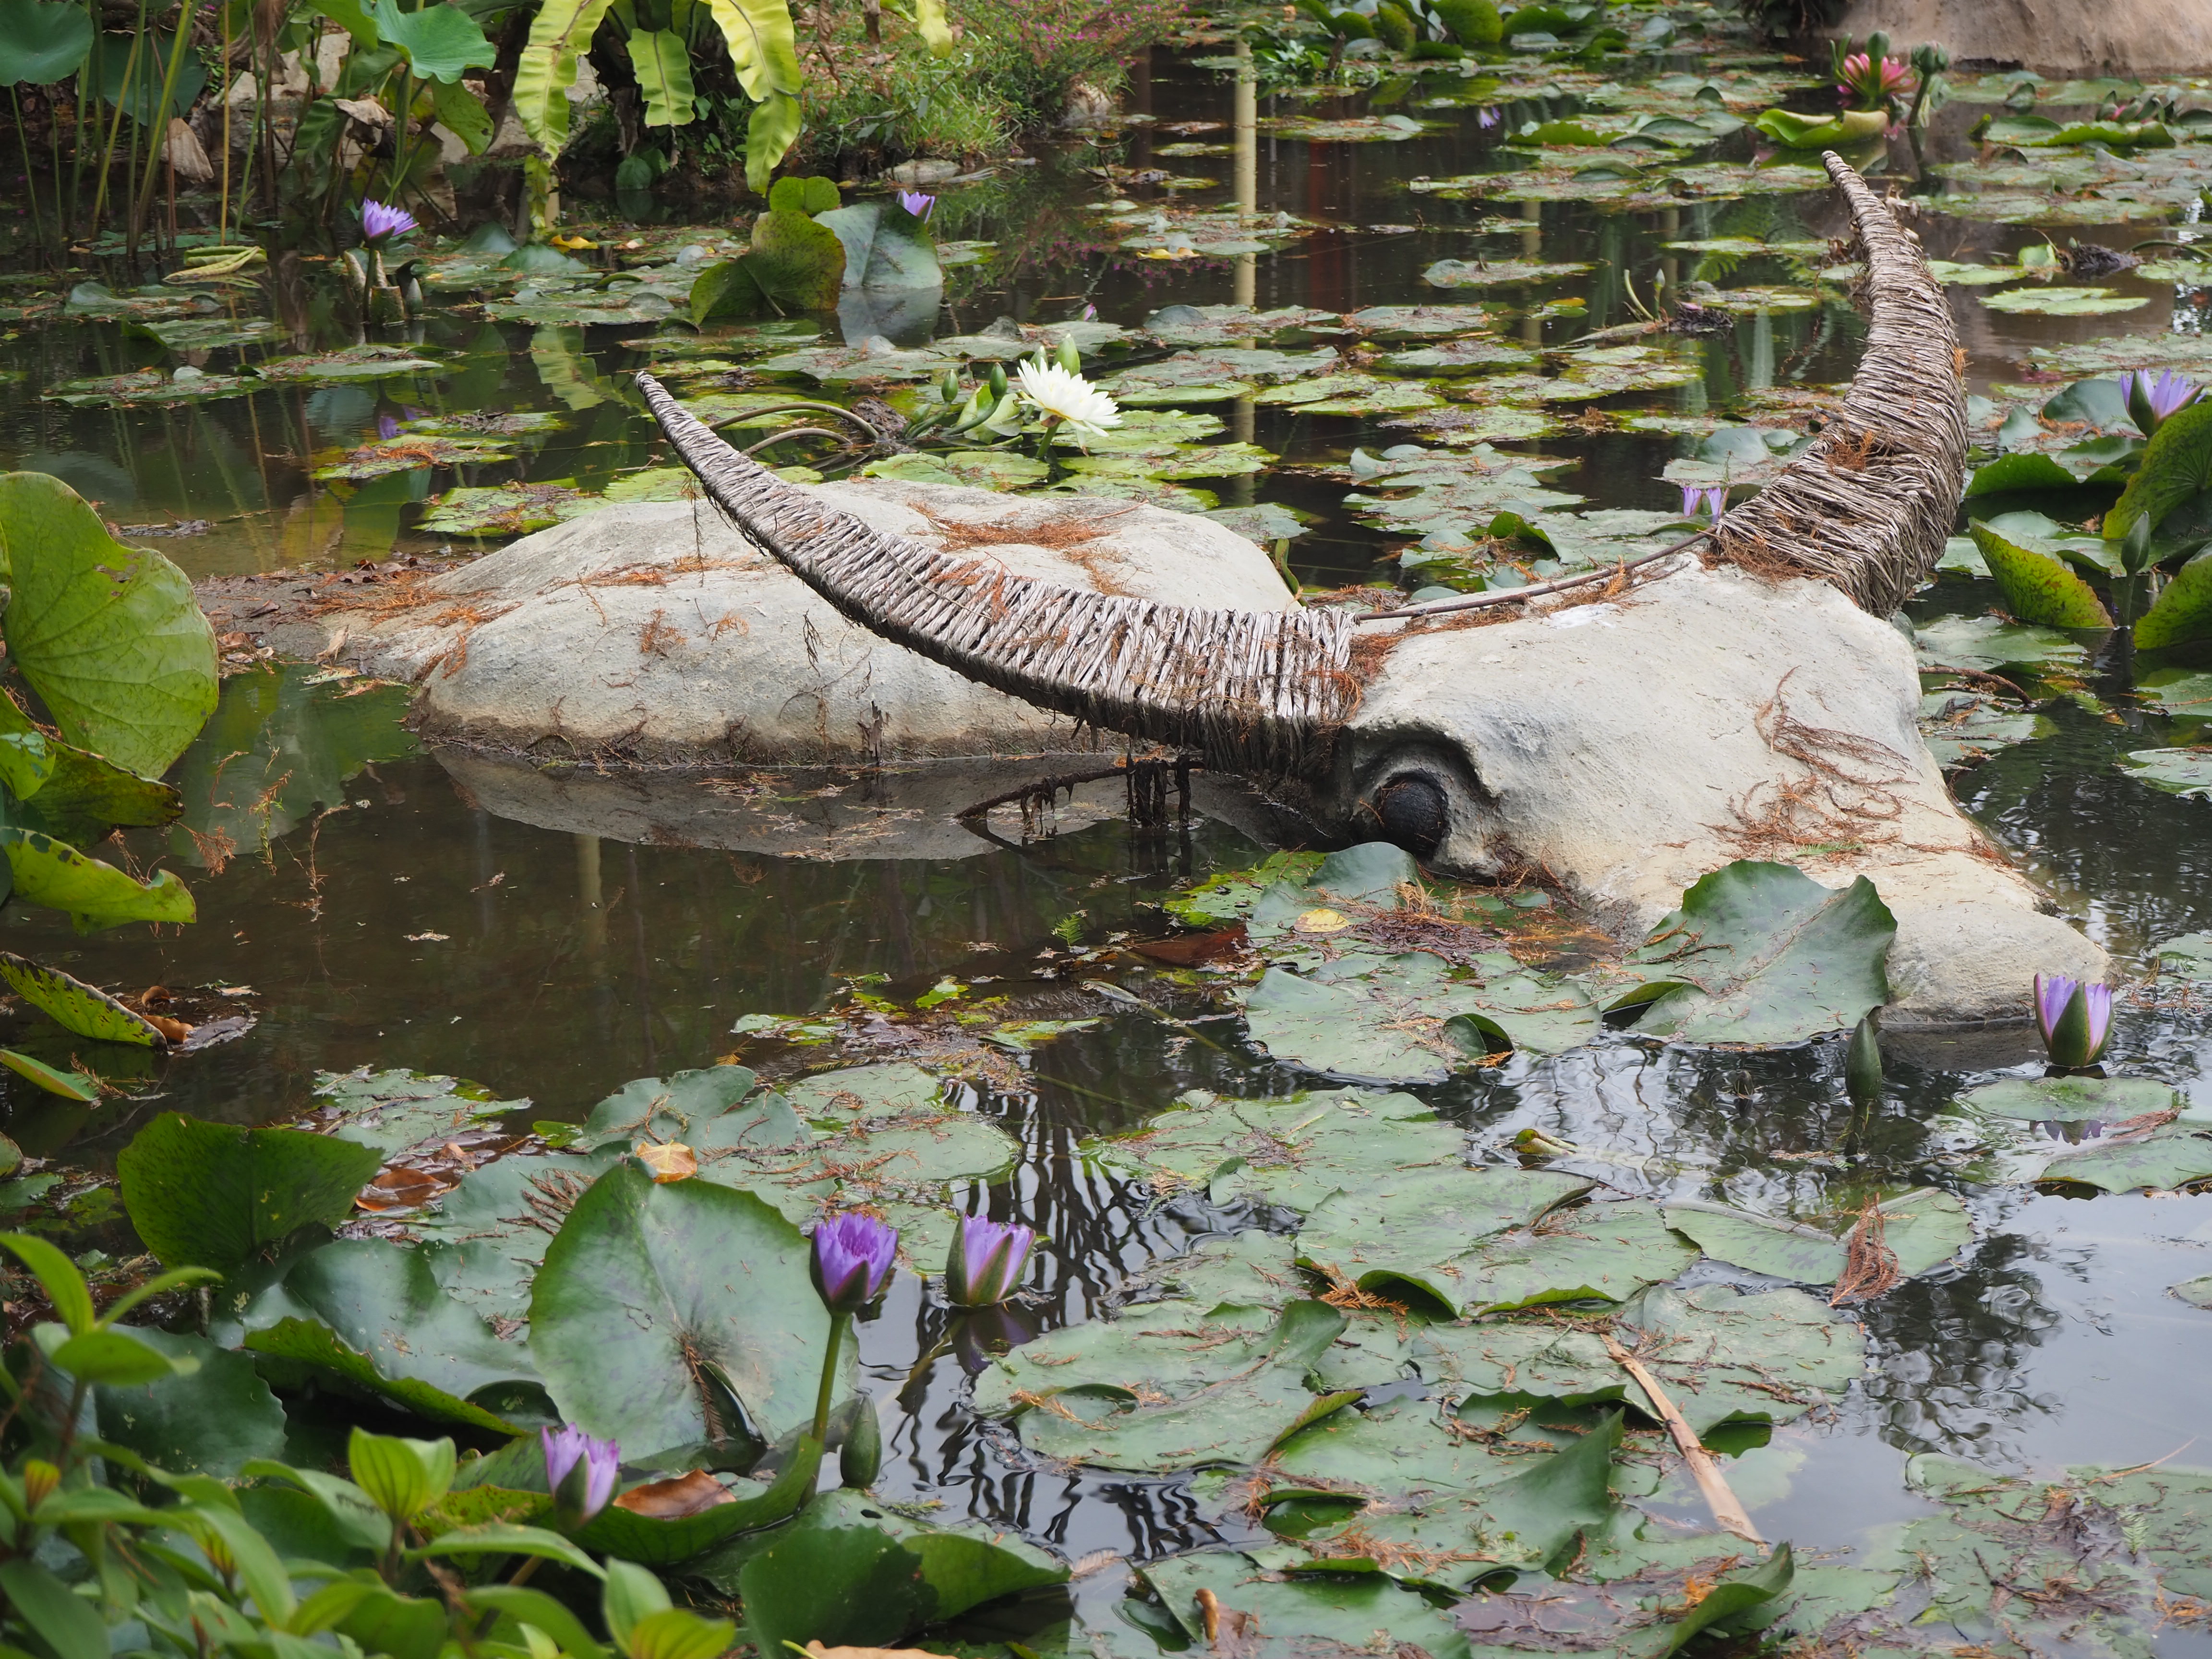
{"type": "Point", "coordinates": [1413, 813]}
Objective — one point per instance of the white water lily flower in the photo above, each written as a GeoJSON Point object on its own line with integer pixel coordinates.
{"type": "Point", "coordinates": [1068, 398]}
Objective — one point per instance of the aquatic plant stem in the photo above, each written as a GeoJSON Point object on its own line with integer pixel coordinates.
{"type": "Point", "coordinates": [159, 151]}
{"type": "Point", "coordinates": [30, 178]}
{"type": "Point", "coordinates": [222, 206]}
{"type": "Point", "coordinates": [1729, 1513]}
{"type": "Point", "coordinates": [115, 127]}
{"type": "Point", "coordinates": [838, 1321]}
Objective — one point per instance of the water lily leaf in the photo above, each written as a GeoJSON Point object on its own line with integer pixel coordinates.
{"type": "Point", "coordinates": [110, 637]}
{"type": "Point", "coordinates": [68, 1086]}
{"type": "Point", "coordinates": [1460, 357]}
{"type": "Point", "coordinates": [1121, 1406]}
{"type": "Point", "coordinates": [1525, 1522]}
{"type": "Point", "coordinates": [1780, 1249]}
{"type": "Point", "coordinates": [361, 363]}
{"type": "Point", "coordinates": [885, 246]}
{"type": "Point", "coordinates": [82, 1008]}
{"type": "Point", "coordinates": [2184, 772]}
{"type": "Point", "coordinates": [1769, 1357]}
{"type": "Point", "coordinates": [1315, 1613]}
{"type": "Point", "coordinates": [2196, 1292]}
{"type": "Point", "coordinates": [394, 1110]}
{"type": "Point", "coordinates": [2189, 955]}
{"type": "Point", "coordinates": [216, 1195]}
{"type": "Point", "coordinates": [2022, 469]}
{"type": "Point", "coordinates": [1418, 1228]}
{"type": "Point", "coordinates": [1204, 325]}
{"type": "Point", "coordinates": [1593, 1252]}
{"type": "Point", "coordinates": [2177, 466]}
{"type": "Point", "coordinates": [505, 509]}
{"type": "Point", "coordinates": [725, 289]}
{"type": "Point", "coordinates": [212, 1420]}
{"type": "Point", "coordinates": [1985, 643]}
{"type": "Point", "coordinates": [85, 795]}
{"type": "Point", "coordinates": [646, 1281]}
{"type": "Point", "coordinates": [1762, 953]}
{"type": "Point", "coordinates": [1962, 727]}
{"type": "Point", "coordinates": [2160, 1159]}
{"type": "Point", "coordinates": [313, 1344]}
{"type": "Point", "coordinates": [2182, 612]}
{"type": "Point", "coordinates": [1352, 1028]}
{"type": "Point", "coordinates": [2064, 302]}
{"type": "Point", "coordinates": [2037, 587]}
{"type": "Point", "coordinates": [1496, 273]}
{"type": "Point", "coordinates": [2070, 1099]}
{"type": "Point", "coordinates": [94, 893]}
{"type": "Point", "coordinates": [1292, 1152]}
{"type": "Point", "coordinates": [1417, 322]}
{"type": "Point", "coordinates": [151, 386]}
{"type": "Point", "coordinates": [798, 262]}
{"type": "Point", "coordinates": [1795, 131]}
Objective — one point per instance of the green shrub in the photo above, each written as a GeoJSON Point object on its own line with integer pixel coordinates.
{"type": "Point", "coordinates": [905, 105]}
{"type": "Point", "coordinates": [1032, 52]}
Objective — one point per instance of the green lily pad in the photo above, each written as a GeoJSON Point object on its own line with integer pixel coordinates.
{"type": "Point", "coordinates": [215, 1195]}
{"type": "Point", "coordinates": [1763, 953]}
{"type": "Point", "coordinates": [2163, 1158]}
{"type": "Point", "coordinates": [505, 509]}
{"type": "Point", "coordinates": [2070, 1099]}
{"type": "Point", "coordinates": [2184, 772]}
{"type": "Point", "coordinates": [84, 1009]}
{"type": "Point", "coordinates": [1497, 273]}
{"type": "Point", "coordinates": [1780, 1249]}
{"type": "Point", "coordinates": [2037, 587]}
{"type": "Point", "coordinates": [2064, 302]}
{"type": "Point", "coordinates": [361, 363]}
{"type": "Point", "coordinates": [2189, 956]}
{"type": "Point", "coordinates": [2182, 612]}
{"type": "Point", "coordinates": [1987, 642]}
{"type": "Point", "coordinates": [152, 386]}
{"type": "Point", "coordinates": [1416, 1229]}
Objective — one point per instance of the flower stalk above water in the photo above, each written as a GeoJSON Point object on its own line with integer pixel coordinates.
{"type": "Point", "coordinates": [581, 1473]}
{"type": "Point", "coordinates": [2153, 399]}
{"type": "Point", "coordinates": [2074, 1017]}
{"type": "Point", "coordinates": [986, 1262]}
{"type": "Point", "coordinates": [852, 1263]}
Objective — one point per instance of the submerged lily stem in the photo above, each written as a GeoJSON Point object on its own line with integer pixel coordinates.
{"type": "Point", "coordinates": [1729, 1513]}
{"type": "Point", "coordinates": [838, 1321]}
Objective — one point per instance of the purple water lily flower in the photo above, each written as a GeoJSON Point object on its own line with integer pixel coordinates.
{"type": "Point", "coordinates": [580, 1471]}
{"type": "Point", "coordinates": [918, 203]}
{"type": "Point", "coordinates": [380, 224]}
{"type": "Point", "coordinates": [1704, 499]}
{"type": "Point", "coordinates": [386, 426]}
{"type": "Point", "coordinates": [987, 1262]}
{"type": "Point", "coordinates": [1487, 117]}
{"type": "Point", "coordinates": [853, 1260]}
{"type": "Point", "coordinates": [2152, 399]}
{"type": "Point", "coordinates": [2074, 1017]}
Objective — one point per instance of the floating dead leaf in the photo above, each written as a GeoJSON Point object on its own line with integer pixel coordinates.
{"type": "Point", "coordinates": [401, 1188]}
{"type": "Point", "coordinates": [1189, 949]}
{"type": "Point", "coordinates": [672, 1500]}
{"type": "Point", "coordinates": [670, 1160]}
{"type": "Point", "coordinates": [175, 1030]}
{"type": "Point", "coordinates": [419, 939]}
{"type": "Point", "coordinates": [1323, 920]}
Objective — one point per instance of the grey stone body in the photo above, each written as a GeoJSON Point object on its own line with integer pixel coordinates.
{"type": "Point", "coordinates": [2063, 37]}
{"type": "Point", "coordinates": [1624, 747]}
{"type": "Point", "coordinates": [655, 632]}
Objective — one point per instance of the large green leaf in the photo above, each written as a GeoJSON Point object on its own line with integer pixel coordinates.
{"type": "Point", "coordinates": [1763, 953]}
{"type": "Point", "coordinates": [211, 1421]}
{"type": "Point", "coordinates": [42, 41]}
{"type": "Point", "coordinates": [109, 636]}
{"type": "Point", "coordinates": [662, 60]}
{"type": "Point", "coordinates": [2023, 470]}
{"type": "Point", "coordinates": [440, 41]}
{"type": "Point", "coordinates": [311, 1343]}
{"type": "Point", "coordinates": [93, 892]}
{"type": "Point", "coordinates": [66, 1622]}
{"type": "Point", "coordinates": [1300, 1615]}
{"type": "Point", "coordinates": [560, 34]}
{"type": "Point", "coordinates": [82, 1008]}
{"type": "Point", "coordinates": [725, 289]}
{"type": "Point", "coordinates": [648, 1284]}
{"type": "Point", "coordinates": [885, 246]}
{"type": "Point", "coordinates": [1416, 1228]}
{"type": "Point", "coordinates": [1795, 131]}
{"type": "Point", "coordinates": [633, 1537]}
{"type": "Point", "coordinates": [85, 795]}
{"type": "Point", "coordinates": [2177, 464]}
{"type": "Point", "coordinates": [2037, 587]}
{"type": "Point", "coordinates": [799, 263]}
{"type": "Point", "coordinates": [2183, 611]}
{"type": "Point", "coordinates": [136, 87]}
{"type": "Point", "coordinates": [1780, 1249]}
{"type": "Point", "coordinates": [216, 1195]}
{"type": "Point", "coordinates": [385, 1301]}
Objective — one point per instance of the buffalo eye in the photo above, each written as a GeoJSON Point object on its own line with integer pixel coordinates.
{"type": "Point", "coordinates": [1412, 813]}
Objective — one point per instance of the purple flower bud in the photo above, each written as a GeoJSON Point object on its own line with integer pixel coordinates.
{"type": "Point", "coordinates": [1704, 499]}
{"type": "Point", "coordinates": [852, 1263]}
{"type": "Point", "coordinates": [380, 224]}
{"type": "Point", "coordinates": [917, 203]}
{"type": "Point", "coordinates": [1486, 118]}
{"type": "Point", "coordinates": [386, 426]}
{"type": "Point", "coordinates": [581, 1473]}
{"type": "Point", "coordinates": [2074, 1017]}
{"type": "Point", "coordinates": [2152, 399]}
{"type": "Point", "coordinates": [987, 1262]}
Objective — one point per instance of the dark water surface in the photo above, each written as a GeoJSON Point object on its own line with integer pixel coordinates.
{"type": "Point", "coordinates": [391, 920]}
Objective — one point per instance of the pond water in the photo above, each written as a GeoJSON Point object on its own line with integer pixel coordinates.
{"type": "Point", "coordinates": [390, 921]}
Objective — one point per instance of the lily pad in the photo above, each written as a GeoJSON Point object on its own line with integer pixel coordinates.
{"type": "Point", "coordinates": [2184, 772]}
{"type": "Point", "coordinates": [1497, 273]}
{"type": "Point", "coordinates": [2064, 302]}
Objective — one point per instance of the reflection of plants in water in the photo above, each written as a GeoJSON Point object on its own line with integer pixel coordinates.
{"type": "Point", "coordinates": [1950, 1353]}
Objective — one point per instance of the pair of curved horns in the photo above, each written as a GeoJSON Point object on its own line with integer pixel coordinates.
{"type": "Point", "coordinates": [1867, 507]}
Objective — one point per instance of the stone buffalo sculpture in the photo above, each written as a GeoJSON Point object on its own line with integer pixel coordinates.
{"type": "Point", "coordinates": [1742, 698]}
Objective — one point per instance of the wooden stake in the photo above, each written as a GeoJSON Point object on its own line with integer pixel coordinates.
{"type": "Point", "coordinates": [1729, 1512]}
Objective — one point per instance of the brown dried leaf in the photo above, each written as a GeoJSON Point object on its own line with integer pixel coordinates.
{"type": "Point", "coordinates": [669, 1160]}
{"type": "Point", "coordinates": [672, 1500]}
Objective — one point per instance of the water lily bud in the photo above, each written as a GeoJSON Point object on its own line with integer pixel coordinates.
{"type": "Point", "coordinates": [852, 1263]}
{"type": "Point", "coordinates": [948, 387]}
{"type": "Point", "coordinates": [861, 1457]}
{"type": "Point", "coordinates": [2134, 547]}
{"type": "Point", "coordinates": [2074, 1017]}
{"type": "Point", "coordinates": [581, 1473]}
{"type": "Point", "coordinates": [987, 1262]}
{"type": "Point", "coordinates": [998, 379]}
{"type": "Point", "coordinates": [1070, 358]}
